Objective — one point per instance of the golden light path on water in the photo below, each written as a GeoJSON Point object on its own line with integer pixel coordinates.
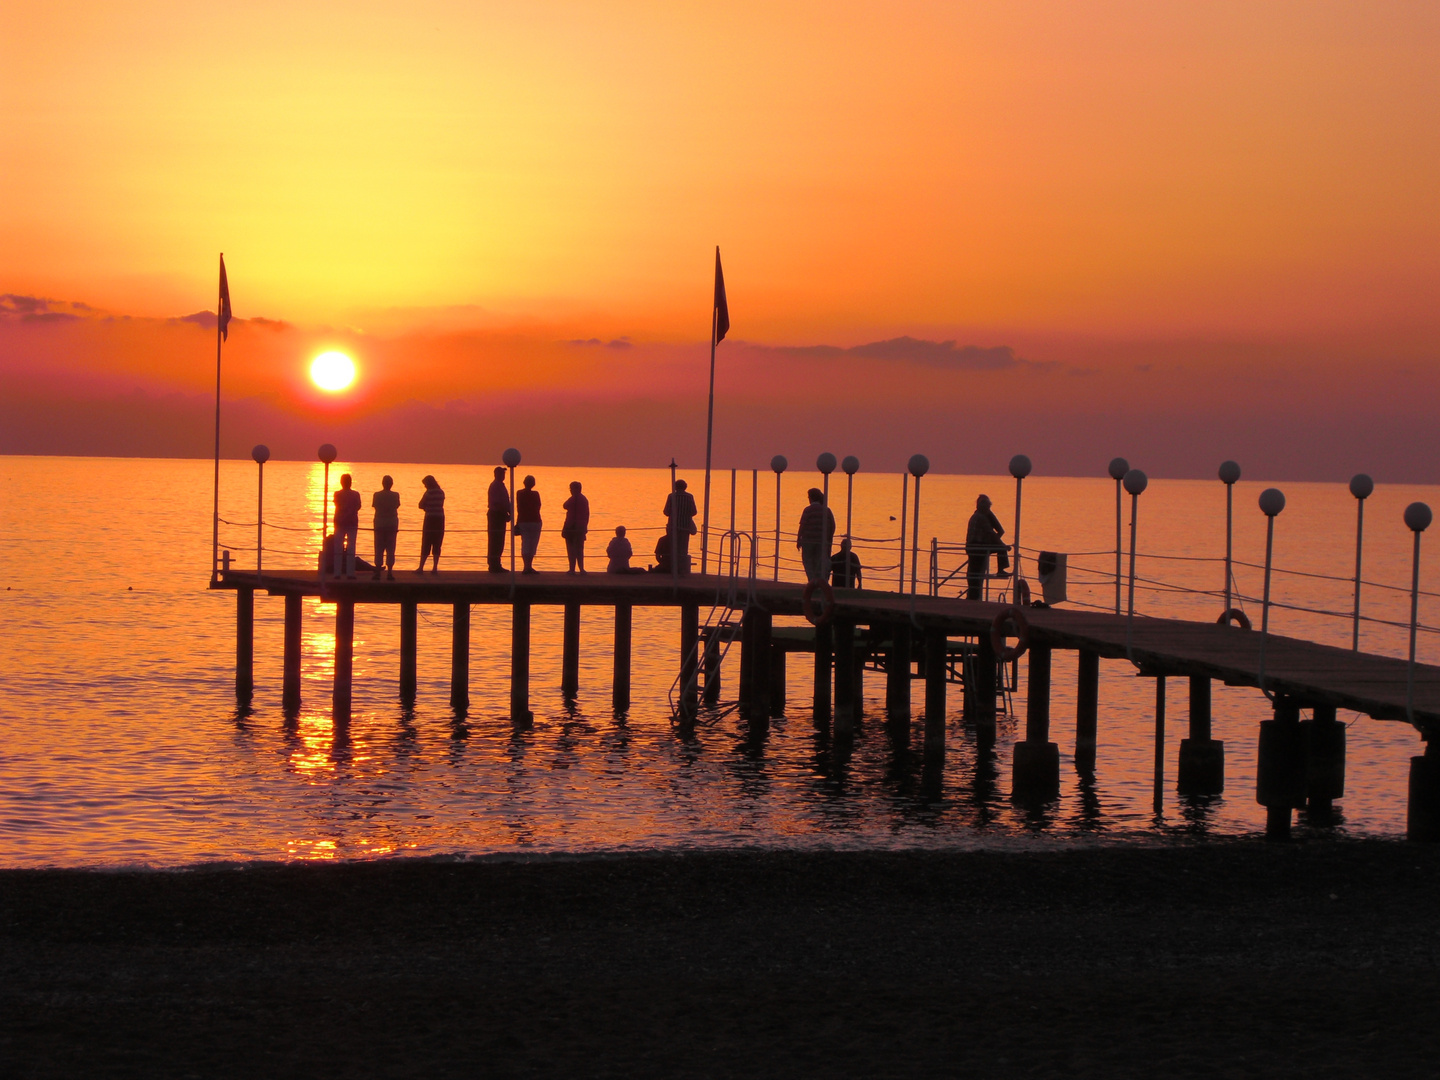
{"type": "Point", "coordinates": [122, 743]}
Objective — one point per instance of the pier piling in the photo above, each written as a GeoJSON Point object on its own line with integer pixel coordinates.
{"type": "Point", "coordinates": [244, 645]}
{"type": "Point", "coordinates": [290, 686]}
{"type": "Point", "coordinates": [1036, 771]}
{"type": "Point", "coordinates": [1087, 709]}
{"type": "Point", "coordinates": [777, 681]}
{"type": "Point", "coordinates": [570, 659]}
{"type": "Point", "coordinates": [520, 714]}
{"type": "Point", "coordinates": [1422, 816]}
{"type": "Point", "coordinates": [409, 628]}
{"type": "Point", "coordinates": [1202, 759]}
{"type": "Point", "coordinates": [821, 693]}
{"type": "Point", "coordinates": [982, 697]}
{"type": "Point", "coordinates": [847, 707]}
{"type": "Point", "coordinates": [936, 645]}
{"type": "Point", "coordinates": [897, 673]}
{"type": "Point", "coordinates": [344, 657]}
{"type": "Point", "coordinates": [1280, 768]}
{"type": "Point", "coordinates": [620, 683]}
{"type": "Point", "coordinates": [1324, 763]}
{"type": "Point", "coordinates": [460, 656]}
{"type": "Point", "coordinates": [711, 670]}
{"type": "Point", "coordinates": [689, 640]}
{"type": "Point", "coordinates": [761, 650]}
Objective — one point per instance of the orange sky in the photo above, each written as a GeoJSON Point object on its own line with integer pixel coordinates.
{"type": "Point", "coordinates": [1182, 191]}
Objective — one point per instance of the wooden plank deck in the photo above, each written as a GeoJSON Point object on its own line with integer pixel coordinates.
{"type": "Point", "coordinates": [1313, 673]}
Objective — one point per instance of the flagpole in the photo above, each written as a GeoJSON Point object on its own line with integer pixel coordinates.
{"type": "Point", "coordinates": [709, 438]}
{"type": "Point", "coordinates": [215, 519]}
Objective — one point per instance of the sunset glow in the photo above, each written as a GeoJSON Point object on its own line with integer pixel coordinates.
{"type": "Point", "coordinates": [332, 371]}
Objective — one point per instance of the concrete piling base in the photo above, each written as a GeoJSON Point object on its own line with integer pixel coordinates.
{"type": "Point", "coordinates": [1202, 767]}
{"type": "Point", "coordinates": [1036, 773]}
{"type": "Point", "coordinates": [1280, 768]}
{"type": "Point", "coordinates": [1324, 763]}
{"type": "Point", "coordinates": [1422, 819]}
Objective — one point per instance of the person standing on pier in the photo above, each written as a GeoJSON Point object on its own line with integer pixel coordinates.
{"type": "Point", "coordinates": [682, 523]}
{"type": "Point", "coordinates": [432, 529]}
{"type": "Point", "coordinates": [982, 536]}
{"type": "Point", "coordinates": [497, 515]}
{"type": "Point", "coordinates": [577, 524]}
{"type": "Point", "coordinates": [527, 522]}
{"type": "Point", "coordinates": [387, 527]}
{"type": "Point", "coordinates": [815, 535]}
{"type": "Point", "coordinates": [347, 526]}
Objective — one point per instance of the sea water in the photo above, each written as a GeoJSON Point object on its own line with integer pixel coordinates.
{"type": "Point", "coordinates": [121, 742]}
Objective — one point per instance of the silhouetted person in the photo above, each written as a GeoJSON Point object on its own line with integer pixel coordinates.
{"type": "Point", "coordinates": [619, 552]}
{"type": "Point", "coordinates": [664, 549]}
{"type": "Point", "coordinates": [432, 529]}
{"type": "Point", "coordinates": [683, 524]}
{"type": "Point", "coordinates": [815, 535]}
{"type": "Point", "coordinates": [577, 524]}
{"type": "Point", "coordinates": [527, 522]}
{"type": "Point", "coordinates": [845, 567]}
{"type": "Point", "coordinates": [347, 526]}
{"type": "Point", "coordinates": [982, 536]}
{"type": "Point", "coordinates": [387, 526]}
{"type": "Point", "coordinates": [498, 512]}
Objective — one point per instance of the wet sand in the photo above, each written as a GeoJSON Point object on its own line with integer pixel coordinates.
{"type": "Point", "coordinates": [1238, 959]}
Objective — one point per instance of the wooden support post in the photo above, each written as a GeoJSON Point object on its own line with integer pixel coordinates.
{"type": "Point", "coordinates": [344, 657]}
{"type": "Point", "coordinates": [764, 640]}
{"type": "Point", "coordinates": [1202, 759]}
{"type": "Point", "coordinates": [936, 645]}
{"type": "Point", "coordinates": [460, 656]}
{"type": "Point", "coordinates": [570, 654]}
{"type": "Point", "coordinates": [847, 710]}
{"type": "Point", "coordinates": [1087, 709]}
{"type": "Point", "coordinates": [982, 696]}
{"type": "Point", "coordinates": [746, 685]}
{"type": "Point", "coordinates": [689, 658]}
{"type": "Point", "coordinates": [1158, 802]}
{"type": "Point", "coordinates": [777, 681]}
{"type": "Point", "coordinates": [821, 695]}
{"type": "Point", "coordinates": [1036, 774]}
{"type": "Point", "coordinates": [620, 692]}
{"type": "Point", "coordinates": [294, 612]}
{"type": "Point", "coordinates": [1280, 767]}
{"type": "Point", "coordinates": [520, 713]}
{"type": "Point", "coordinates": [409, 627]}
{"type": "Point", "coordinates": [897, 673]}
{"type": "Point", "coordinates": [1324, 763]}
{"type": "Point", "coordinates": [711, 674]}
{"type": "Point", "coordinates": [1422, 813]}
{"type": "Point", "coordinates": [244, 645]}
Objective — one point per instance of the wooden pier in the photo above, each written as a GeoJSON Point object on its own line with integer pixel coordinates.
{"type": "Point", "coordinates": [1301, 763]}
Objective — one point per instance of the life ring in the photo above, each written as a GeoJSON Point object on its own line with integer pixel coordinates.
{"type": "Point", "coordinates": [807, 603]}
{"type": "Point", "coordinates": [1010, 653]}
{"type": "Point", "coordinates": [1234, 615]}
{"type": "Point", "coordinates": [1022, 592]}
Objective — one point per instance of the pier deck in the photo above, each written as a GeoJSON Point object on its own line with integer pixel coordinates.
{"type": "Point", "coordinates": [1311, 673]}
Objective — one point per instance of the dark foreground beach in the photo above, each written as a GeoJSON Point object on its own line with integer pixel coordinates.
{"type": "Point", "coordinates": [1316, 959]}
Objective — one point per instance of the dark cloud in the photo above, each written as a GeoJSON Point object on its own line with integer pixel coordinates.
{"type": "Point", "coordinates": [199, 318]}
{"type": "Point", "coordinates": [617, 343]}
{"type": "Point", "coordinates": [944, 354]}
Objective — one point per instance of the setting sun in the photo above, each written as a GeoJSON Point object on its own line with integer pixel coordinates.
{"type": "Point", "coordinates": [332, 371]}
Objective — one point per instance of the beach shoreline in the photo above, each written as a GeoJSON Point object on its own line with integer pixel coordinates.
{"type": "Point", "coordinates": [1239, 958]}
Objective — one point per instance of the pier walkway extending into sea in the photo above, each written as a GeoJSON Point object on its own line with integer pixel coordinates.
{"type": "Point", "coordinates": [1301, 762]}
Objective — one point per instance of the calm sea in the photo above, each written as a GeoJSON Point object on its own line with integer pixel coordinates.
{"type": "Point", "coordinates": [121, 744]}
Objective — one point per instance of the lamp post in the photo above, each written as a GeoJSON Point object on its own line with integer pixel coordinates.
{"type": "Point", "coordinates": [1118, 468]}
{"type": "Point", "coordinates": [261, 454]}
{"type": "Point", "coordinates": [1272, 501]}
{"type": "Point", "coordinates": [1135, 482]}
{"type": "Point", "coordinates": [826, 464]}
{"type": "Point", "coordinates": [778, 465]}
{"type": "Point", "coordinates": [1229, 474]}
{"type": "Point", "coordinates": [511, 458]}
{"type": "Point", "coordinates": [327, 454]}
{"type": "Point", "coordinates": [1019, 469]}
{"type": "Point", "coordinates": [851, 465]}
{"type": "Point", "coordinates": [904, 505]}
{"type": "Point", "coordinates": [919, 465]}
{"type": "Point", "coordinates": [1417, 518]}
{"type": "Point", "coordinates": [1360, 486]}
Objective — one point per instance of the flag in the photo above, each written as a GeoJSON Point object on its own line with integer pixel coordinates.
{"type": "Point", "coordinates": [722, 309]}
{"type": "Point", "coordinates": [223, 313]}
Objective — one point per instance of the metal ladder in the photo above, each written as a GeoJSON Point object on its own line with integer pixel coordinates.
{"type": "Point", "coordinates": [724, 622]}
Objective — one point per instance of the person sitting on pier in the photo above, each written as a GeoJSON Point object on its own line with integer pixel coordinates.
{"type": "Point", "coordinates": [620, 553]}
{"type": "Point", "coordinates": [664, 554]}
{"type": "Point", "coordinates": [845, 567]}
{"type": "Point", "coordinates": [982, 536]}
{"type": "Point", "coordinates": [497, 515]}
{"type": "Point", "coordinates": [527, 522]}
{"type": "Point", "coordinates": [577, 524]}
{"type": "Point", "coordinates": [387, 526]}
{"type": "Point", "coordinates": [347, 526]}
{"type": "Point", "coordinates": [432, 529]}
{"type": "Point", "coordinates": [683, 522]}
{"type": "Point", "coordinates": [815, 535]}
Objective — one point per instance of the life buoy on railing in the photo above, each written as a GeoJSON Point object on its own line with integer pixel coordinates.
{"type": "Point", "coordinates": [1022, 592]}
{"type": "Point", "coordinates": [1234, 615]}
{"type": "Point", "coordinates": [1010, 653]}
{"type": "Point", "coordinates": [807, 603]}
